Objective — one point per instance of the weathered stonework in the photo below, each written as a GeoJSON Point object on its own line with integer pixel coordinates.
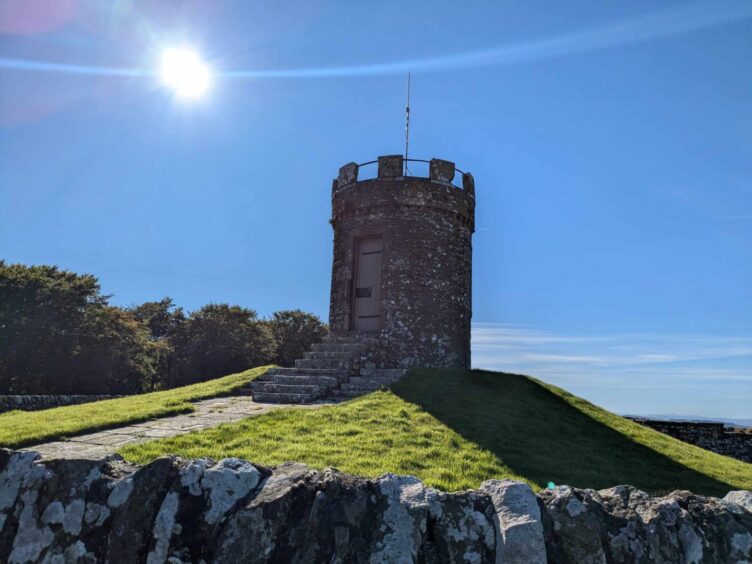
{"type": "Point", "coordinates": [180, 511]}
{"type": "Point", "coordinates": [425, 226]}
{"type": "Point", "coordinates": [714, 437]}
{"type": "Point", "coordinates": [34, 402]}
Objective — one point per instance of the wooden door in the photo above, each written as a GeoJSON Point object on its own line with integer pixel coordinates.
{"type": "Point", "coordinates": [367, 291]}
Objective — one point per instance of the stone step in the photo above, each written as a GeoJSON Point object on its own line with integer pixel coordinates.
{"type": "Point", "coordinates": [275, 397]}
{"type": "Point", "coordinates": [302, 380]}
{"type": "Point", "coordinates": [266, 378]}
{"type": "Point", "coordinates": [357, 338]}
{"type": "Point", "coordinates": [332, 355]}
{"type": "Point", "coordinates": [366, 386]}
{"type": "Point", "coordinates": [267, 387]}
{"type": "Point", "coordinates": [313, 373]}
{"type": "Point", "coordinates": [328, 363]}
{"type": "Point", "coordinates": [339, 375]}
{"type": "Point", "coordinates": [337, 347]}
{"type": "Point", "coordinates": [359, 387]}
{"type": "Point", "coordinates": [350, 340]}
{"type": "Point", "coordinates": [307, 372]}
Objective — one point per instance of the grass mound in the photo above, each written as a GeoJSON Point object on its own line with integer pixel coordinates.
{"type": "Point", "coordinates": [21, 428]}
{"type": "Point", "coordinates": [369, 436]}
{"type": "Point", "coordinates": [454, 429]}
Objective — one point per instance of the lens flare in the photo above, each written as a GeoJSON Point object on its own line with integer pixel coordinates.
{"type": "Point", "coordinates": [184, 72]}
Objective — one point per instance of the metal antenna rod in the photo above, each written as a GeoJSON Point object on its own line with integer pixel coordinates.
{"type": "Point", "coordinates": [407, 125]}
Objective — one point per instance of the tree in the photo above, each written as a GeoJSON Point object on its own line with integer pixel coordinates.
{"type": "Point", "coordinates": [163, 317]}
{"type": "Point", "coordinates": [295, 331]}
{"type": "Point", "coordinates": [164, 320]}
{"type": "Point", "coordinates": [115, 354]}
{"type": "Point", "coordinates": [58, 335]}
{"type": "Point", "coordinates": [42, 310]}
{"type": "Point", "coordinates": [220, 339]}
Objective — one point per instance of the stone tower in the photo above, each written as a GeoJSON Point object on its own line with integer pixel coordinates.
{"type": "Point", "coordinates": [401, 283]}
{"type": "Point", "coordinates": [401, 275]}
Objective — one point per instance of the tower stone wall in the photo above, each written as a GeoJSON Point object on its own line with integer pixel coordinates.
{"type": "Point", "coordinates": [419, 302]}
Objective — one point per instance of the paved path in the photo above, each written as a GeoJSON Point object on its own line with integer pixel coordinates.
{"type": "Point", "coordinates": [208, 413]}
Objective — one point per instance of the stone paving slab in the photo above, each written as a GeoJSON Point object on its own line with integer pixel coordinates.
{"type": "Point", "coordinates": [209, 413]}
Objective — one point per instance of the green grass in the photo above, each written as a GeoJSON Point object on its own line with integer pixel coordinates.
{"type": "Point", "coordinates": [369, 436]}
{"type": "Point", "coordinates": [454, 429]}
{"type": "Point", "coordinates": [22, 428]}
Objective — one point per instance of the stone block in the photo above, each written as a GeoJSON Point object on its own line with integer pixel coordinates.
{"type": "Point", "coordinates": [740, 497]}
{"type": "Point", "coordinates": [441, 170]}
{"type": "Point", "coordinates": [390, 166]}
{"type": "Point", "coordinates": [468, 183]}
{"type": "Point", "coordinates": [518, 522]}
{"type": "Point", "coordinates": [347, 174]}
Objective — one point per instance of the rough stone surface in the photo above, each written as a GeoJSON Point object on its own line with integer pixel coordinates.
{"type": "Point", "coordinates": [426, 226]}
{"type": "Point", "coordinates": [347, 174]}
{"type": "Point", "coordinates": [518, 523]}
{"type": "Point", "coordinates": [227, 482]}
{"type": "Point", "coordinates": [317, 376]}
{"type": "Point", "coordinates": [35, 402]}
{"type": "Point", "coordinates": [624, 524]}
{"type": "Point", "coordinates": [390, 166]}
{"type": "Point", "coordinates": [181, 511]}
{"type": "Point", "coordinates": [441, 170]}
{"type": "Point", "coordinates": [715, 437]}
{"type": "Point", "coordinates": [334, 370]}
{"type": "Point", "coordinates": [740, 497]}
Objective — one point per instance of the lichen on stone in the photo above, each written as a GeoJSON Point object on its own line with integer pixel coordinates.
{"type": "Point", "coordinates": [227, 482]}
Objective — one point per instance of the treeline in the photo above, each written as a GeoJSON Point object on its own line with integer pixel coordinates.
{"type": "Point", "coordinates": [60, 335]}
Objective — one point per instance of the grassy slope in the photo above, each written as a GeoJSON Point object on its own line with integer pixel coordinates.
{"type": "Point", "coordinates": [20, 428]}
{"type": "Point", "coordinates": [456, 429]}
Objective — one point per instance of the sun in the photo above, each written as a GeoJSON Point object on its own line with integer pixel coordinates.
{"type": "Point", "coordinates": [183, 70]}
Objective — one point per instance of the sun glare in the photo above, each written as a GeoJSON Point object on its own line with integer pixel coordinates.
{"type": "Point", "coordinates": [184, 71]}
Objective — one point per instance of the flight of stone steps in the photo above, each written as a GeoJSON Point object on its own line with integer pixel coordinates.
{"type": "Point", "coordinates": [334, 368]}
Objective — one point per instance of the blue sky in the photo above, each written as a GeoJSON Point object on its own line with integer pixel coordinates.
{"type": "Point", "coordinates": [611, 145]}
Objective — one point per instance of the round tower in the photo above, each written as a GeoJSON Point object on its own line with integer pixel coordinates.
{"type": "Point", "coordinates": [401, 276]}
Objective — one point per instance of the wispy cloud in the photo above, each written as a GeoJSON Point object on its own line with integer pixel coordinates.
{"type": "Point", "coordinates": [628, 349]}
{"type": "Point", "coordinates": [622, 369]}
{"type": "Point", "coordinates": [686, 18]}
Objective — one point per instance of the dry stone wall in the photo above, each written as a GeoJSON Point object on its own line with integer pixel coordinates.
{"type": "Point", "coordinates": [34, 402]}
{"type": "Point", "coordinates": [231, 511]}
{"type": "Point", "coordinates": [715, 437]}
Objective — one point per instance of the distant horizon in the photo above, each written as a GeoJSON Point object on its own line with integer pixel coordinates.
{"type": "Point", "coordinates": [611, 146]}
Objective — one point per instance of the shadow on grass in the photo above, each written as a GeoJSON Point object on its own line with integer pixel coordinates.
{"type": "Point", "coordinates": [542, 437]}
